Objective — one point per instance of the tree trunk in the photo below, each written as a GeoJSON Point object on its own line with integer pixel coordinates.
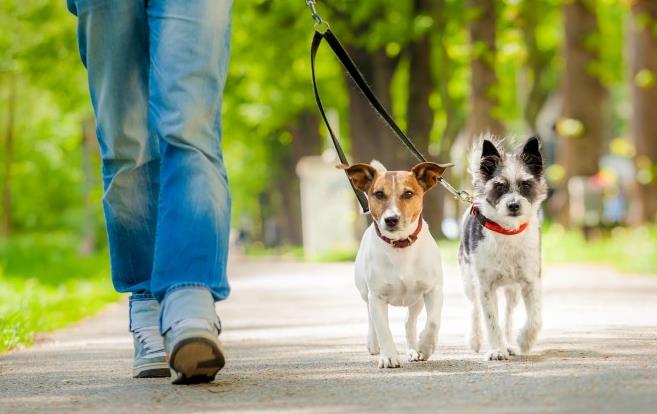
{"type": "Point", "coordinates": [644, 99]}
{"type": "Point", "coordinates": [5, 223]}
{"type": "Point", "coordinates": [306, 141]}
{"type": "Point", "coordinates": [537, 61]}
{"type": "Point", "coordinates": [483, 99]}
{"type": "Point", "coordinates": [581, 125]}
{"type": "Point", "coordinates": [419, 115]}
{"type": "Point", "coordinates": [370, 137]}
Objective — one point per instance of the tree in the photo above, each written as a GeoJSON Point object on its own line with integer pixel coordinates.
{"type": "Point", "coordinates": [421, 85]}
{"type": "Point", "coordinates": [540, 59]}
{"type": "Point", "coordinates": [376, 35]}
{"type": "Point", "coordinates": [301, 139]}
{"type": "Point", "coordinates": [483, 99]}
{"type": "Point", "coordinates": [581, 125]}
{"type": "Point", "coordinates": [644, 100]}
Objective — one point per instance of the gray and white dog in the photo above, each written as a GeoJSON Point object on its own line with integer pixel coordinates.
{"type": "Point", "coordinates": [500, 246]}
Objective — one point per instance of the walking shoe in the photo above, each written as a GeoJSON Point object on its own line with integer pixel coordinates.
{"type": "Point", "coordinates": [191, 335]}
{"type": "Point", "coordinates": [194, 351]}
{"type": "Point", "coordinates": [150, 359]}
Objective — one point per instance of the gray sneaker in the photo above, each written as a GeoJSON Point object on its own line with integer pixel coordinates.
{"type": "Point", "coordinates": [191, 335]}
{"type": "Point", "coordinates": [150, 359]}
{"type": "Point", "coordinates": [195, 353]}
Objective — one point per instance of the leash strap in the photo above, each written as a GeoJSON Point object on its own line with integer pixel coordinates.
{"type": "Point", "coordinates": [317, 40]}
{"type": "Point", "coordinates": [323, 32]}
{"type": "Point", "coordinates": [365, 89]}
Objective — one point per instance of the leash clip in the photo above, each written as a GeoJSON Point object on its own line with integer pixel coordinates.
{"type": "Point", "coordinates": [458, 194]}
{"type": "Point", "coordinates": [313, 10]}
{"type": "Point", "coordinates": [465, 197]}
{"type": "Point", "coordinates": [321, 25]}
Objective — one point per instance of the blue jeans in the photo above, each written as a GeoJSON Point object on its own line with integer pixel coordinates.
{"type": "Point", "coordinates": [157, 70]}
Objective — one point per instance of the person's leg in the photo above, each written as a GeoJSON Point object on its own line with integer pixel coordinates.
{"type": "Point", "coordinates": [189, 48]}
{"type": "Point", "coordinates": [189, 51]}
{"type": "Point", "coordinates": [113, 40]}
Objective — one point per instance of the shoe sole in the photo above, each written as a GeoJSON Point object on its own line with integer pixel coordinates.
{"type": "Point", "coordinates": [196, 360]}
{"type": "Point", "coordinates": [152, 370]}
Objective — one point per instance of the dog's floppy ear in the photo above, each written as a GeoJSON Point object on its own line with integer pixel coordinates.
{"type": "Point", "coordinates": [427, 173]}
{"type": "Point", "coordinates": [361, 175]}
{"type": "Point", "coordinates": [490, 159]}
{"type": "Point", "coordinates": [531, 156]}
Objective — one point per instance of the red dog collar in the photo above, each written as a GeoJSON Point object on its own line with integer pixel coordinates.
{"type": "Point", "coordinates": [492, 226]}
{"type": "Point", "coordinates": [400, 244]}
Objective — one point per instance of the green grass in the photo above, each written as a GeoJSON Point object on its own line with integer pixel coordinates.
{"type": "Point", "coordinates": [45, 284]}
{"type": "Point", "coordinates": [631, 250]}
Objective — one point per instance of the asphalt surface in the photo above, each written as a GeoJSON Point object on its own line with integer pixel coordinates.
{"type": "Point", "coordinates": [295, 343]}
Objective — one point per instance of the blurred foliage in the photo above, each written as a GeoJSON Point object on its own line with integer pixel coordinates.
{"type": "Point", "coordinates": [45, 284]}
{"type": "Point", "coordinates": [268, 84]}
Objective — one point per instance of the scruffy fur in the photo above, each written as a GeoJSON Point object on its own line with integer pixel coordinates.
{"type": "Point", "coordinates": [508, 189]}
{"type": "Point", "coordinates": [410, 276]}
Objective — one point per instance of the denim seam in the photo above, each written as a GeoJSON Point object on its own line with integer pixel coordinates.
{"type": "Point", "coordinates": [187, 285]}
{"type": "Point", "coordinates": [141, 296]}
{"type": "Point", "coordinates": [130, 315]}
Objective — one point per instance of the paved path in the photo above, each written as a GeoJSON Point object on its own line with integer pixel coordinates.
{"type": "Point", "coordinates": [294, 336]}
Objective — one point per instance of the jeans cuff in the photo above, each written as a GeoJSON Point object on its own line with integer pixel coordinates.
{"type": "Point", "coordinates": [144, 311]}
{"type": "Point", "coordinates": [188, 301]}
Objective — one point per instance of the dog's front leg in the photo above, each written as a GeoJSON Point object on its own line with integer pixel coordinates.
{"type": "Point", "coordinates": [411, 330]}
{"type": "Point", "coordinates": [531, 294]}
{"type": "Point", "coordinates": [433, 303]}
{"type": "Point", "coordinates": [372, 340]}
{"type": "Point", "coordinates": [388, 358]}
{"type": "Point", "coordinates": [498, 349]}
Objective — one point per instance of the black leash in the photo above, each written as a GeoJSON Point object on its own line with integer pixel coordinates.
{"type": "Point", "coordinates": [323, 32]}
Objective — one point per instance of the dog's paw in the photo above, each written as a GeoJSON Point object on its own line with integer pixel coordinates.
{"type": "Point", "coordinates": [474, 342]}
{"type": "Point", "coordinates": [526, 340]}
{"type": "Point", "coordinates": [497, 355]}
{"type": "Point", "coordinates": [372, 345]}
{"type": "Point", "coordinates": [373, 349]}
{"type": "Point", "coordinates": [511, 350]}
{"type": "Point", "coordinates": [426, 346]}
{"type": "Point", "coordinates": [389, 361]}
{"type": "Point", "coordinates": [414, 356]}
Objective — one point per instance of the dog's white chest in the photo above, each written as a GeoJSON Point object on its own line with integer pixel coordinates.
{"type": "Point", "coordinates": [398, 276]}
{"type": "Point", "coordinates": [507, 259]}
{"type": "Point", "coordinates": [399, 287]}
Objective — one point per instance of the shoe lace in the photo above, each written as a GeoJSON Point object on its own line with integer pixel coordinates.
{"type": "Point", "coordinates": [151, 340]}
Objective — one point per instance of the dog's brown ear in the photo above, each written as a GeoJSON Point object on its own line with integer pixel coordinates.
{"type": "Point", "coordinates": [361, 175]}
{"type": "Point", "coordinates": [427, 173]}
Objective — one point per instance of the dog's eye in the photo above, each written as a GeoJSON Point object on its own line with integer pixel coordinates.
{"type": "Point", "coordinates": [379, 195]}
{"type": "Point", "coordinates": [407, 194]}
{"type": "Point", "coordinates": [500, 186]}
{"type": "Point", "coordinates": [525, 185]}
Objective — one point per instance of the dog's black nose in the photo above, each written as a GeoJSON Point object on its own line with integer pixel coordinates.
{"type": "Point", "coordinates": [513, 206]}
{"type": "Point", "coordinates": [391, 221]}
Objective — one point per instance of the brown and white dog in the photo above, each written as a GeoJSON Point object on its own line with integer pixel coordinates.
{"type": "Point", "coordinates": [398, 262]}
